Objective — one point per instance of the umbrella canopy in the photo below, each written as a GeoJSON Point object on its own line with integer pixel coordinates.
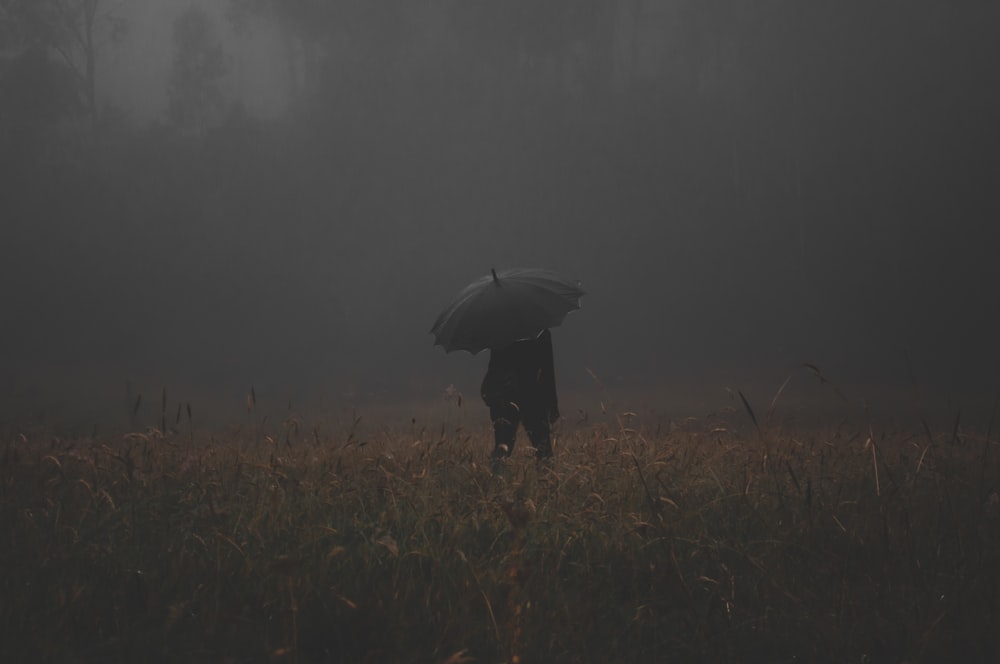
{"type": "Point", "coordinates": [501, 308]}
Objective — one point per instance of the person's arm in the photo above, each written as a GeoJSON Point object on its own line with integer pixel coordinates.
{"type": "Point", "coordinates": [500, 383]}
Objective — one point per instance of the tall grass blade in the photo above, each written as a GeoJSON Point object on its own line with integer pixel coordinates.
{"type": "Point", "coordinates": [824, 380]}
{"type": "Point", "coordinates": [774, 402]}
{"type": "Point", "coordinates": [927, 431]}
{"type": "Point", "coordinates": [753, 418]}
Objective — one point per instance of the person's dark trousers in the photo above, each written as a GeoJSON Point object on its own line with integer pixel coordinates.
{"type": "Point", "coordinates": [507, 416]}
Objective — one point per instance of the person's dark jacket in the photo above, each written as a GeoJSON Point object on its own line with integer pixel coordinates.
{"type": "Point", "coordinates": [523, 373]}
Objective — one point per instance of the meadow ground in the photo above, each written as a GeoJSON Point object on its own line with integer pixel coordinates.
{"type": "Point", "coordinates": [729, 537]}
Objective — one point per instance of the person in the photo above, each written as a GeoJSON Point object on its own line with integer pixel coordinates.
{"type": "Point", "coordinates": [520, 388]}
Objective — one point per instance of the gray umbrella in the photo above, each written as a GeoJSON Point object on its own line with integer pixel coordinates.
{"type": "Point", "coordinates": [501, 308]}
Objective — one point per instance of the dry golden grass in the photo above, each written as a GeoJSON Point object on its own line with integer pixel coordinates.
{"type": "Point", "coordinates": [711, 540]}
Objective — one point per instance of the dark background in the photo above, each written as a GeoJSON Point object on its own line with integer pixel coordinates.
{"type": "Point", "coordinates": [741, 187]}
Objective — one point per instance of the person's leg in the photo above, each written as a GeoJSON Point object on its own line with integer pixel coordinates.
{"type": "Point", "coordinates": [505, 418]}
{"type": "Point", "coordinates": [536, 423]}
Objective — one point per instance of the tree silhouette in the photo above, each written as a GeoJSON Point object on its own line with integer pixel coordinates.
{"type": "Point", "coordinates": [195, 96]}
{"type": "Point", "coordinates": [70, 32]}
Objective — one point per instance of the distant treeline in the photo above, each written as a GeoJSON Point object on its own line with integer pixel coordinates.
{"type": "Point", "coordinates": [731, 180]}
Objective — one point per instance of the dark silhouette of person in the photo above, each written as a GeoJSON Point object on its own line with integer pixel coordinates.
{"type": "Point", "coordinates": [520, 388]}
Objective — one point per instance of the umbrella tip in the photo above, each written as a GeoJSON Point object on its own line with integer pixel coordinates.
{"type": "Point", "coordinates": [496, 279]}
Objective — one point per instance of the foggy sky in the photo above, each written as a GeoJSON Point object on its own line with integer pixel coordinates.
{"type": "Point", "coordinates": [739, 189]}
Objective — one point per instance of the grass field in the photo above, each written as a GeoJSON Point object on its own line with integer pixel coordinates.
{"type": "Point", "coordinates": [727, 538]}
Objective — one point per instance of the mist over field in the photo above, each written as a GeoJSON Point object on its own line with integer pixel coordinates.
{"type": "Point", "coordinates": [201, 197]}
